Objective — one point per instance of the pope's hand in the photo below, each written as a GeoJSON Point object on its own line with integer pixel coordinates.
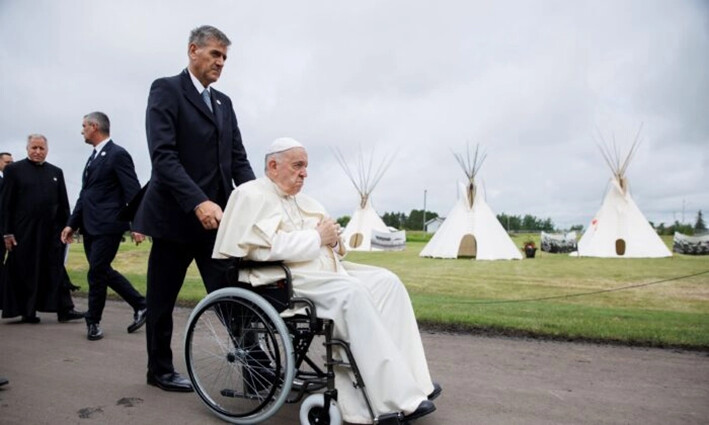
{"type": "Point", "coordinates": [209, 214]}
{"type": "Point", "coordinates": [328, 230]}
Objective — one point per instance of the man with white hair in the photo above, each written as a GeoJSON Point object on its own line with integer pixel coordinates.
{"type": "Point", "coordinates": [269, 219]}
{"type": "Point", "coordinates": [35, 207]}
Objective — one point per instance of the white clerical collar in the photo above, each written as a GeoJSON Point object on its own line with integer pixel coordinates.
{"type": "Point", "coordinates": [197, 84]}
{"type": "Point", "coordinates": [278, 190]}
{"type": "Point", "coordinates": [100, 146]}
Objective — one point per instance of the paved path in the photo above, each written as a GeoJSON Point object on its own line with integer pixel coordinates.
{"type": "Point", "coordinates": [58, 377]}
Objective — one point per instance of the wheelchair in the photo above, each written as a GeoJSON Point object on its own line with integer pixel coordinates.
{"type": "Point", "coordinates": [246, 361]}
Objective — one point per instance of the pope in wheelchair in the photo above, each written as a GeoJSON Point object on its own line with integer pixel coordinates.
{"type": "Point", "coordinates": [269, 220]}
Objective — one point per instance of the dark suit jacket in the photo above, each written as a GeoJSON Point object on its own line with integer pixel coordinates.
{"type": "Point", "coordinates": [107, 186]}
{"type": "Point", "coordinates": [196, 155]}
{"type": "Point", "coordinates": [2, 231]}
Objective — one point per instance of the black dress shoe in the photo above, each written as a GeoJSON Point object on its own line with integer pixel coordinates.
{"type": "Point", "coordinates": [69, 315]}
{"type": "Point", "coordinates": [170, 382]}
{"type": "Point", "coordinates": [3, 381]}
{"type": "Point", "coordinates": [138, 320]}
{"type": "Point", "coordinates": [436, 391]}
{"type": "Point", "coordinates": [30, 319]}
{"type": "Point", "coordinates": [424, 409]}
{"type": "Point", "coordinates": [94, 332]}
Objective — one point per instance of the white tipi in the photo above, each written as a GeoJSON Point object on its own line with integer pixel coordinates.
{"type": "Point", "coordinates": [619, 228]}
{"type": "Point", "coordinates": [471, 228]}
{"type": "Point", "coordinates": [365, 220]}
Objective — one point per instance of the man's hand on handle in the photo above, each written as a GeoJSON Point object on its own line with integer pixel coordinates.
{"type": "Point", "coordinates": [209, 214]}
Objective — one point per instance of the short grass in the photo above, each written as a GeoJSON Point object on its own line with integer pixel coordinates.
{"type": "Point", "coordinates": [651, 302]}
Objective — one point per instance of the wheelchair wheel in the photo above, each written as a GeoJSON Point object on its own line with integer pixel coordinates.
{"type": "Point", "coordinates": [239, 356]}
{"type": "Point", "coordinates": [312, 408]}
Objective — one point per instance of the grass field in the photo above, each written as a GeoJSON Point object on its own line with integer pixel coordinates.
{"type": "Point", "coordinates": [650, 302]}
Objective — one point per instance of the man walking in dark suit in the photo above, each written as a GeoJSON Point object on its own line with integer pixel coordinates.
{"type": "Point", "coordinates": [197, 156]}
{"type": "Point", "coordinates": [108, 183]}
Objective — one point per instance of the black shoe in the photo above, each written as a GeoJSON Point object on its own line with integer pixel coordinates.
{"type": "Point", "coordinates": [138, 320]}
{"type": "Point", "coordinates": [437, 390]}
{"type": "Point", "coordinates": [69, 315]}
{"type": "Point", "coordinates": [424, 409]}
{"type": "Point", "coordinates": [3, 381]}
{"type": "Point", "coordinates": [170, 382]}
{"type": "Point", "coordinates": [94, 332]}
{"type": "Point", "coordinates": [30, 319]}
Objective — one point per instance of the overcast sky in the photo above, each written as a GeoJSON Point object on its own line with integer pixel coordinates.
{"type": "Point", "coordinates": [532, 82]}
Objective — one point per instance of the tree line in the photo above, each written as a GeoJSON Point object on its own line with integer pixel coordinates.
{"type": "Point", "coordinates": [698, 228]}
{"type": "Point", "coordinates": [416, 218]}
{"type": "Point", "coordinates": [526, 223]}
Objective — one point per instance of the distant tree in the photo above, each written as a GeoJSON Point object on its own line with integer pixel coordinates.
{"type": "Point", "coordinates": [394, 219]}
{"type": "Point", "coordinates": [510, 222]}
{"type": "Point", "coordinates": [415, 219]}
{"type": "Point", "coordinates": [527, 223]}
{"type": "Point", "coordinates": [686, 229]}
{"type": "Point", "coordinates": [660, 229]}
{"type": "Point", "coordinates": [576, 228]}
{"type": "Point", "coordinates": [344, 220]}
{"type": "Point", "coordinates": [699, 226]}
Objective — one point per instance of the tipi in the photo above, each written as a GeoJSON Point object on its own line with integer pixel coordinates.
{"type": "Point", "coordinates": [619, 228]}
{"type": "Point", "coordinates": [358, 232]}
{"type": "Point", "coordinates": [471, 228]}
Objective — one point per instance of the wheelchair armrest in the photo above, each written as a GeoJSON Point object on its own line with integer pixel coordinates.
{"type": "Point", "coordinates": [242, 264]}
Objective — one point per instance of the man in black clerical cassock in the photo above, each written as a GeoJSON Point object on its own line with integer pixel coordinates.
{"type": "Point", "coordinates": [35, 207]}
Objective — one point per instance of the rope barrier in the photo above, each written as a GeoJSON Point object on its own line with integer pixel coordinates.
{"type": "Point", "coordinates": [580, 294]}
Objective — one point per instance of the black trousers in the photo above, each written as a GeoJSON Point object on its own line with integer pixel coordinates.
{"type": "Point", "coordinates": [167, 267]}
{"type": "Point", "coordinates": [100, 251]}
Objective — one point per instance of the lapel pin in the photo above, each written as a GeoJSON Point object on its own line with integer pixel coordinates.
{"type": "Point", "coordinates": [54, 178]}
{"type": "Point", "coordinates": [218, 102]}
{"type": "Point", "coordinates": [103, 153]}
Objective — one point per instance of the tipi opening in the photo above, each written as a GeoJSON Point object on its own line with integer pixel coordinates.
{"type": "Point", "coordinates": [468, 246]}
{"type": "Point", "coordinates": [356, 240]}
{"type": "Point", "coordinates": [620, 247]}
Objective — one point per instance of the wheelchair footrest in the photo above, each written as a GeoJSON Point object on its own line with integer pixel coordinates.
{"type": "Point", "coordinates": [338, 363]}
{"type": "Point", "coordinates": [390, 419]}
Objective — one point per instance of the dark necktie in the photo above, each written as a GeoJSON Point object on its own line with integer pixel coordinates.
{"type": "Point", "coordinates": [207, 99]}
{"type": "Point", "coordinates": [88, 163]}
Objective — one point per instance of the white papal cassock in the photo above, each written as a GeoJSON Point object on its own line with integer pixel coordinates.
{"type": "Point", "coordinates": [369, 305]}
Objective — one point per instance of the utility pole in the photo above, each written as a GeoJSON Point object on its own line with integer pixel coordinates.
{"type": "Point", "coordinates": [423, 226]}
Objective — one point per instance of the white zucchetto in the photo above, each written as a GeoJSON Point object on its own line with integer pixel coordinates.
{"type": "Point", "coordinates": [283, 144]}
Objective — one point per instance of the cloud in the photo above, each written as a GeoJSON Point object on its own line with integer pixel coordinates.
{"type": "Point", "coordinates": [530, 81]}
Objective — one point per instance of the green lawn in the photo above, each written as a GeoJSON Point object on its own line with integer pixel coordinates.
{"type": "Point", "coordinates": [552, 295]}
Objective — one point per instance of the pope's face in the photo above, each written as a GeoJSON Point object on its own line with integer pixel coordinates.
{"type": "Point", "coordinates": [37, 149]}
{"type": "Point", "coordinates": [206, 62]}
{"type": "Point", "coordinates": [290, 172]}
